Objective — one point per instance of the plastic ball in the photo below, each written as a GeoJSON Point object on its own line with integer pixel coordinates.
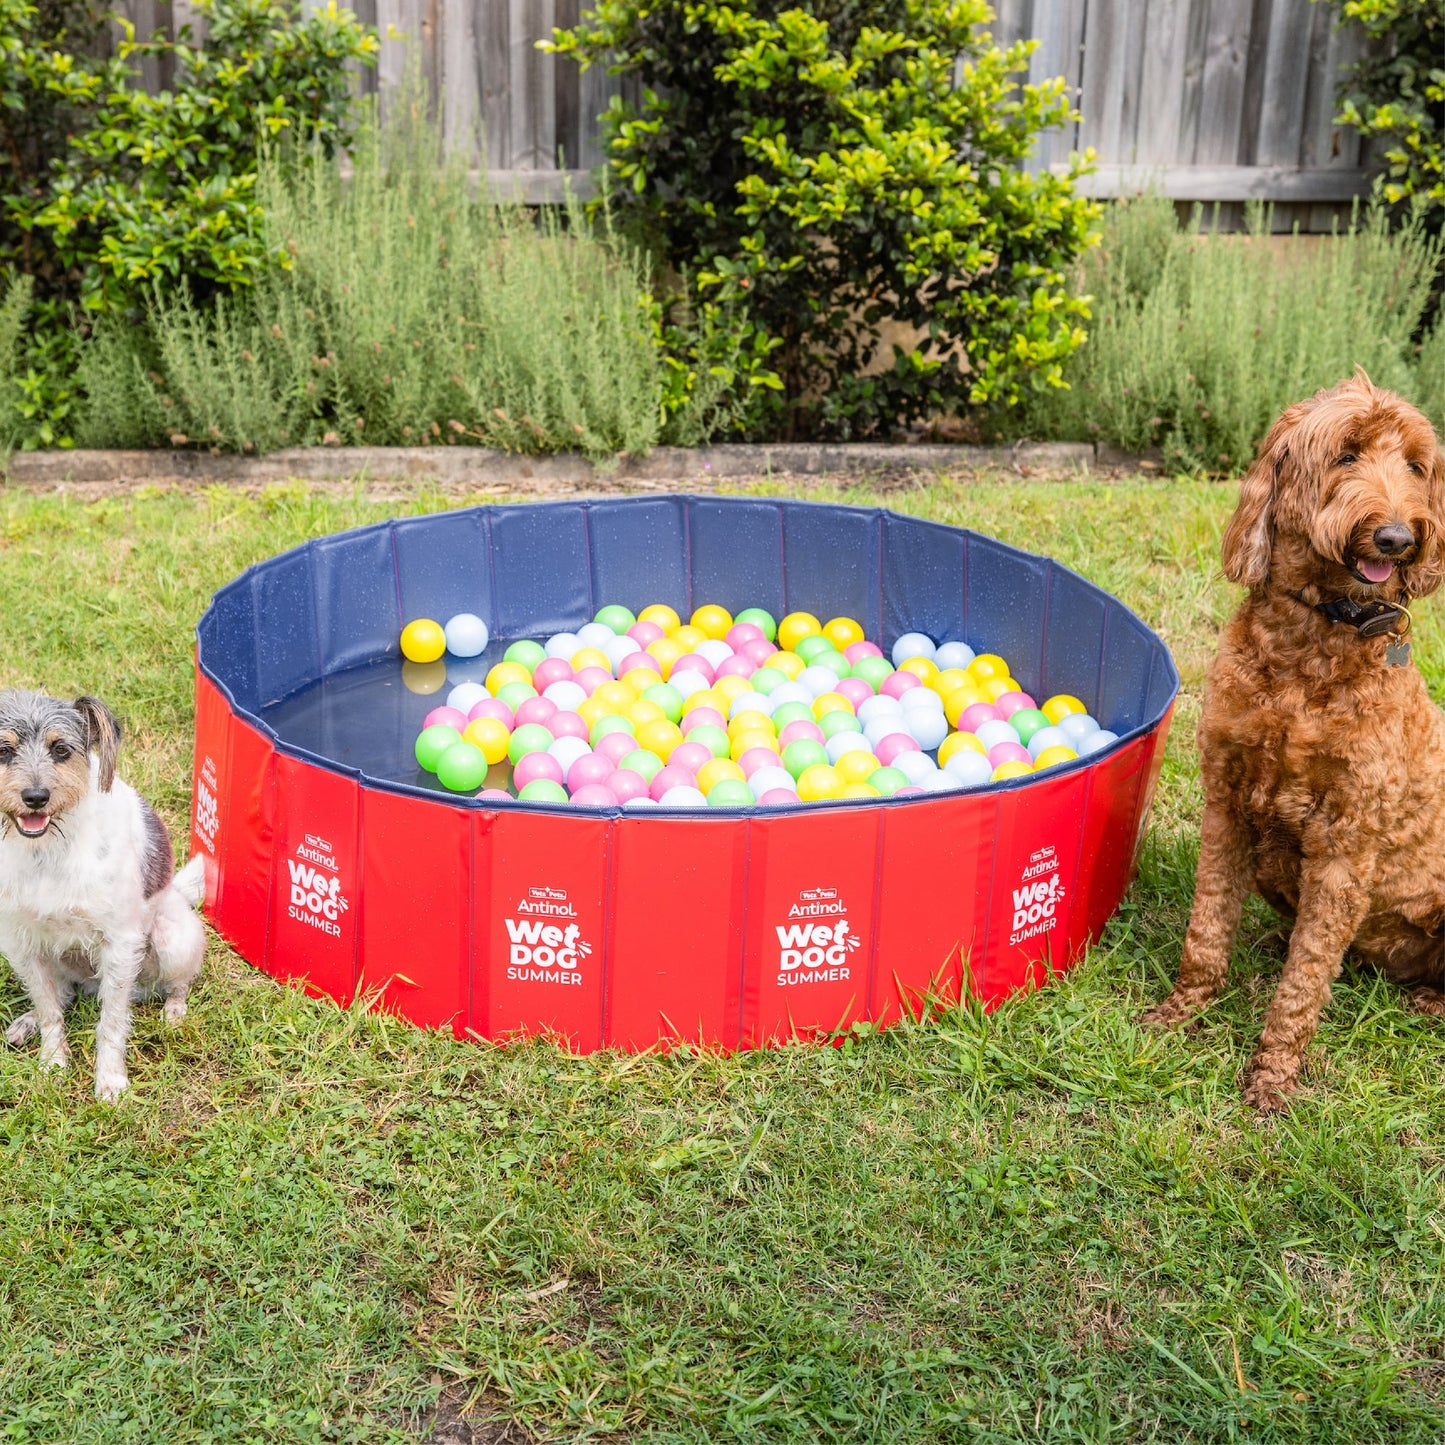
{"type": "Point", "coordinates": [736, 666]}
{"type": "Point", "coordinates": [616, 617]}
{"type": "Point", "coordinates": [1052, 757]}
{"type": "Point", "coordinates": [728, 688]}
{"type": "Point", "coordinates": [882, 726]}
{"type": "Point", "coordinates": [811, 646]}
{"type": "Point", "coordinates": [549, 671]}
{"type": "Point", "coordinates": [627, 785]}
{"type": "Point", "coordinates": [714, 739]}
{"type": "Point", "coordinates": [1096, 742]}
{"type": "Point", "coordinates": [888, 748]}
{"type": "Point", "coordinates": [1026, 722]}
{"type": "Point", "coordinates": [762, 620]}
{"type": "Point", "coordinates": [462, 768]}
{"type": "Point", "coordinates": [927, 729]}
{"type": "Point", "coordinates": [663, 695]}
{"type": "Point", "coordinates": [1047, 737]}
{"type": "Point", "coordinates": [683, 796]}
{"type": "Point", "coordinates": [833, 723]}
{"type": "Point", "coordinates": [642, 712]}
{"type": "Point", "coordinates": [466, 635]}
{"type": "Point", "coordinates": [856, 690]}
{"type": "Point", "coordinates": [515, 694]}
{"type": "Point", "coordinates": [897, 683]}
{"type": "Point", "coordinates": [503, 673]}
{"type": "Point", "coordinates": [465, 696]}
{"type": "Point", "coordinates": [615, 746]}
{"type": "Point", "coordinates": [765, 679]}
{"type": "Point", "coordinates": [872, 670]}
{"type": "Point", "coordinates": [713, 620]}
{"type": "Point", "coordinates": [778, 798]}
{"type": "Point", "coordinates": [975, 714]}
{"type": "Point", "coordinates": [423, 640]}
{"type": "Point", "coordinates": [921, 667]}
{"type": "Point", "coordinates": [819, 783]}
{"type": "Point", "coordinates": [526, 653]}
{"type": "Point", "coordinates": [858, 790]}
{"type": "Point", "coordinates": [843, 631]}
{"type": "Point", "coordinates": [595, 795]}
{"type": "Point", "coordinates": [959, 700]}
{"type": "Point", "coordinates": [563, 645]}
{"type": "Point", "coordinates": [432, 742]}
{"type": "Point", "coordinates": [922, 699]}
{"type": "Point", "coordinates": [698, 717]}
{"type": "Point", "coordinates": [973, 770]}
{"type": "Point", "coordinates": [915, 766]}
{"type": "Point", "coordinates": [611, 723]}
{"type": "Point", "coordinates": [537, 710]}
{"type": "Point", "coordinates": [988, 664]}
{"type": "Point", "coordinates": [771, 777]}
{"type": "Point", "coordinates": [591, 712]}
{"type": "Point", "coordinates": [621, 652]}
{"type": "Point", "coordinates": [856, 765]}
{"type": "Point", "coordinates": [537, 765]}
{"type": "Point", "coordinates": [495, 795]}
{"type": "Point", "coordinates": [959, 743]}
{"type": "Point", "coordinates": [994, 731]}
{"type": "Point", "coordinates": [1005, 771]}
{"type": "Point", "coordinates": [715, 770]}
{"type": "Point", "coordinates": [615, 695]}
{"type": "Point", "coordinates": [589, 768]}
{"type": "Point", "coordinates": [660, 615]}
{"type": "Point", "coordinates": [953, 654]}
{"type": "Point", "coordinates": [751, 702]}
{"type": "Point", "coordinates": [912, 644]}
{"type": "Point", "coordinates": [660, 737]}
{"type": "Point", "coordinates": [452, 717]}
{"type": "Point", "coordinates": [1009, 753]}
{"type": "Point", "coordinates": [493, 707]}
{"type": "Point", "coordinates": [742, 633]}
{"type": "Point", "coordinates": [543, 790]}
{"type": "Point", "coordinates": [827, 702]}
{"type": "Point", "coordinates": [530, 738]}
{"type": "Point", "coordinates": [803, 753]}
{"type": "Point", "coordinates": [787, 662]}
{"type": "Point", "coordinates": [818, 680]}
{"type": "Point", "coordinates": [688, 682]}
{"type": "Point", "coordinates": [750, 722]}
{"type": "Point", "coordinates": [591, 677]}
{"type": "Point", "coordinates": [1060, 706]}
{"type": "Point", "coordinates": [879, 706]}
{"type": "Point", "coordinates": [754, 759]}
{"type": "Point", "coordinates": [590, 659]}
{"type": "Point", "coordinates": [886, 781]}
{"type": "Point", "coordinates": [791, 712]}
{"type": "Point", "coordinates": [490, 735]}
{"type": "Point", "coordinates": [644, 632]}
{"type": "Point", "coordinates": [841, 744]}
{"type": "Point", "coordinates": [645, 764]}
{"type": "Point", "coordinates": [1077, 726]}
{"type": "Point", "coordinates": [758, 651]}
{"type": "Point", "coordinates": [568, 696]}
{"type": "Point", "coordinates": [795, 627]}
{"type": "Point", "coordinates": [566, 751]}
{"type": "Point", "coordinates": [994, 688]}
{"type": "Point", "coordinates": [800, 731]}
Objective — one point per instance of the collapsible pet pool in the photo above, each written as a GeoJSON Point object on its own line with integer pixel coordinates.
{"type": "Point", "coordinates": [333, 861]}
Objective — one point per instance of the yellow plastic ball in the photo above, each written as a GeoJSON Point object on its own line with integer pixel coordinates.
{"type": "Point", "coordinates": [1005, 771]}
{"type": "Point", "coordinates": [818, 783]}
{"type": "Point", "coordinates": [958, 743]}
{"type": "Point", "coordinates": [746, 742]}
{"type": "Point", "coordinates": [1061, 705]}
{"type": "Point", "coordinates": [957, 700]}
{"type": "Point", "coordinates": [795, 627]}
{"type": "Point", "coordinates": [1052, 757]}
{"type": "Point", "coordinates": [711, 774]}
{"type": "Point", "coordinates": [490, 735]}
{"type": "Point", "coordinates": [923, 668]}
{"type": "Point", "coordinates": [994, 688]}
{"type": "Point", "coordinates": [639, 679]}
{"type": "Point", "coordinates": [617, 695]}
{"type": "Point", "coordinates": [706, 698]}
{"type": "Point", "coordinates": [714, 621]}
{"type": "Point", "coordinates": [988, 664]}
{"type": "Point", "coordinates": [659, 614]}
{"type": "Point", "coordinates": [591, 711]}
{"type": "Point", "coordinates": [948, 679]}
{"type": "Point", "coordinates": [857, 790]}
{"type": "Point", "coordinates": [788, 663]}
{"type": "Point", "coordinates": [659, 736]}
{"type": "Point", "coordinates": [729, 688]}
{"type": "Point", "coordinates": [642, 712]}
{"type": "Point", "coordinates": [856, 767]}
{"type": "Point", "coordinates": [666, 650]}
{"type": "Point", "coordinates": [689, 637]}
{"type": "Point", "coordinates": [591, 657]}
{"type": "Point", "coordinates": [423, 640]}
{"type": "Point", "coordinates": [751, 721]}
{"type": "Point", "coordinates": [828, 702]}
{"type": "Point", "coordinates": [504, 672]}
{"type": "Point", "coordinates": [842, 632]}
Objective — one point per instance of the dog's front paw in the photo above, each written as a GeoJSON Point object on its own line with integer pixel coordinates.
{"type": "Point", "coordinates": [109, 1087]}
{"type": "Point", "coordinates": [174, 1010]}
{"type": "Point", "coordinates": [1178, 1008]}
{"type": "Point", "coordinates": [1268, 1091]}
{"type": "Point", "coordinates": [23, 1029]}
{"type": "Point", "coordinates": [1428, 1001]}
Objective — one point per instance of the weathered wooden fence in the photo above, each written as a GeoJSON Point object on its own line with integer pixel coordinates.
{"type": "Point", "coordinates": [1211, 100]}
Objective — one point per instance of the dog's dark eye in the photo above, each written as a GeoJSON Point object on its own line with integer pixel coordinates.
{"type": "Point", "coordinates": [7, 753]}
{"type": "Point", "coordinates": [1345, 459]}
{"type": "Point", "coordinates": [1416, 468]}
{"type": "Point", "coordinates": [61, 751]}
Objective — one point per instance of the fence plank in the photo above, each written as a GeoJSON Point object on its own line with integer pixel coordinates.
{"type": "Point", "coordinates": [1111, 85]}
{"type": "Point", "coordinates": [1161, 85]}
{"type": "Point", "coordinates": [533, 87]}
{"type": "Point", "coordinates": [1285, 83]}
{"type": "Point", "coordinates": [1060, 52]}
{"type": "Point", "coordinates": [1221, 82]}
{"type": "Point", "coordinates": [461, 58]}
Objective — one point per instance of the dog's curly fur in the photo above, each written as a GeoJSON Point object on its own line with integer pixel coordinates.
{"type": "Point", "coordinates": [1323, 765]}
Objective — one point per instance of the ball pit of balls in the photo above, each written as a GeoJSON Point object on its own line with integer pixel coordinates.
{"type": "Point", "coordinates": [645, 711]}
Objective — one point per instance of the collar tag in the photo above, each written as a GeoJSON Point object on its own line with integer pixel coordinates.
{"type": "Point", "coordinates": [1397, 653]}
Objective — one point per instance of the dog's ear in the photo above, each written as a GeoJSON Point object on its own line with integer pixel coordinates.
{"type": "Point", "coordinates": [104, 734]}
{"type": "Point", "coordinates": [1425, 575]}
{"type": "Point", "coordinates": [1249, 537]}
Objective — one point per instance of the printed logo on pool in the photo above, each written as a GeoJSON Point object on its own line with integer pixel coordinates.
{"type": "Point", "coordinates": [208, 806]}
{"type": "Point", "coordinates": [815, 941]}
{"type": "Point", "coordinates": [541, 950]}
{"type": "Point", "coordinates": [1037, 898]}
{"type": "Point", "coordinates": [316, 896]}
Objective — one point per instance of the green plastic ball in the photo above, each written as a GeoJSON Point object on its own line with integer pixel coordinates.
{"type": "Point", "coordinates": [812, 647]}
{"type": "Point", "coordinates": [514, 694]}
{"type": "Point", "coordinates": [834, 661]}
{"type": "Point", "coordinates": [765, 679]}
{"type": "Point", "coordinates": [730, 793]}
{"type": "Point", "coordinates": [842, 721]}
{"type": "Point", "coordinates": [432, 742]}
{"type": "Point", "coordinates": [792, 712]}
{"type": "Point", "coordinates": [802, 754]}
{"type": "Point", "coordinates": [613, 723]}
{"type": "Point", "coordinates": [760, 619]}
{"type": "Point", "coordinates": [543, 790]}
{"type": "Point", "coordinates": [528, 653]}
{"type": "Point", "coordinates": [1026, 722]}
{"type": "Point", "coordinates": [462, 768]}
{"type": "Point", "coordinates": [714, 739]}
{"type": "Point", "coordinates": [529, 738]}
{"type": "Point", "coordinates": [642, 762]}
{"type": "Point", "coordinates": [872, 670]}
{"type": "Point", "coordinates": [617, 617]}
{"type": "Point", "coordinates": [887, 781]}
{"type": "Point", "coordinates": [667, 697]}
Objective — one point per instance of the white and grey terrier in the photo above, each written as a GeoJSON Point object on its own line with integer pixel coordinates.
{"type": "Point", "coordinates": [90, 901]}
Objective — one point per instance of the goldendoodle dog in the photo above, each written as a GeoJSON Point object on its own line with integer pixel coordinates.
{"type": "Point", "coordinates": [1322, 753]}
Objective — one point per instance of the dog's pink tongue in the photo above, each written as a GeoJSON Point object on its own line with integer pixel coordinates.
{"type": "Point", "coordinates": [1376, 571]}
{"type": "Point", "coordinates": [32, 822]}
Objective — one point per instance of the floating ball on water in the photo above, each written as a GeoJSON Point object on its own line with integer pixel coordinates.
{"type": "Point", "coordinates": [543, 790]}
{"type": "Point", "coordinates": [627, 785]}
{"type": "Point", "coordinates": [959, 743]}
{"type": "Point", "coordinates": [462, 768]}
{"type": "Point", "coordinates": [818, 783]}
{"type": "Point", "coordinates": [595, 795]}
{"type": "Point", "coordinates": [660, 615]}
{"type": "Point", "coordinates": [465, 696]}
{"type": "Point", "coordinates": [423, 640]}
{"type": "Point", "coordinates": [1005, 771]}
{"type": "Point", "coordinates": [712, 620]}
{"type": "Point", "coordinates": [1060, 706]}
{"type": "Point", "coordinates": [491, 735]}
{"type": "Point", "coordinates": [537, 710]}
{"type": "Point", "coordinates": [761, 619]}
{"type": "Point", "coordinates": [912, 644]}
{"type": "Point", "coordinates": [530, 738]}
{"type": "Point", "coordinates": [451, 716]}
{"type": "Point", "coordinates": [1047, 737]}
{"type": "Point", "coordinates": [616, 617]}
{"type": "Point", "coordinates": [1077, 726]}
{"type": "Point", "coordinates": [1095, 742]}
{"type": "Point", "coordinates": [973, 770]}
{"type": "Point", "coordinates": [995, 730]}
{"type": "Point", "coordinates": [566, 750]}
{"type": "Point", "coordinates": [953, 654]}
{"type": "Point", "coordinates": [515, 694]}
{"type": "Point", "coordinates": [432, 742]}
{"type": "Point", "coordinates": [534, 766]}
{"type": "Point", "coordinates": [466, 635]}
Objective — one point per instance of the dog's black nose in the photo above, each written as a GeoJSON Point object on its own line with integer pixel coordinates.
{"type": "Point", "coordinates": [35, 798]}
{"type": "Point", "coordinates": [1393, 539]}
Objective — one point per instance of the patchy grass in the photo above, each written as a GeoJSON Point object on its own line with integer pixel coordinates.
{"type": "Point", "coordinates": [305, 1224]}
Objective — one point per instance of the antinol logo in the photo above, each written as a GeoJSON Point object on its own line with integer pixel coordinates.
{"type": "Point", "coordinates": [208, 807]}
{"type": "Point", "coordinates": [1036, 901]}
{"type": "Point", "coordinates": [316, 896]}
{"type": "Point", "coordinates": [542, 952]}
{"type": "Point", "coordinates": [815, 952]}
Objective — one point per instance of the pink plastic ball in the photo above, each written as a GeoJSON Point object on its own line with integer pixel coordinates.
{"type": "Point", "coordinates": [692, 662]}
{"type": "Point", "coordinates": [1008, 703]}
{"type": "Point", "coordinates": [690, 756]}
{"type": "Point", "coordinates": [532, 766]}
{"type": "Point", "coordinates": [640, 659]}
{"type": "Point", "coordinates": [451, 716]}
{"type": "Point", "coordinates": [672, 776]}
{"type": "Point", "coordinates": [490, 707]}
{"type": "Point", "coordinates": [550, 670]}
{"type": "Point", "coordinates": [888, 748]}
{"type": "Point", "coordinates": [616, 746]}
{"type": "Point", "coordinates": [589, 768]}
{"type": "Point", "coordinates": [537, 710]}
{"type": "Point", "coordinates": [742, 632]}
{"type": "Point", "coordinates": [595, 795]}
{"type": "Point", "coordinates": [855, 652]}
{"type": "Point", "coordinates": [591, 678]}
{"type": "Point", "coordinates": [897, 683]}
{"type": "Point", "coordinates": [975, 713]}
{"type": "Point", "coordinates": [779, 798]}
{"type": "Point", "coordinates": [1001, 753]}
{"type": "Point", "coordinates": [498, 795]}
{"type": "Point", "coordinates": [703, 715]}
{"type": "Point", "coordinates": [567, 725]}
{"type": "Point", "coordinates": [801, 728]}
{"type": "Point", "coordinates": [855, 690]}
{"type": "Point", "coordinates": [737, 666]}
{"type": "Point", "coordinates": [758, 651]}
{"type": "Point", "coordinates": [911, 791]}
{"type": "Point", "coordinates": [644, 634]}
{"type": "Point", "coordinates": [756, 758]}
{"type": "Point", "coordinates": [627, 785]}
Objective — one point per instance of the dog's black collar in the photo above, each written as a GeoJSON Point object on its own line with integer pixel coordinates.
{"type": "Point", "coordinates": [1377, 618]}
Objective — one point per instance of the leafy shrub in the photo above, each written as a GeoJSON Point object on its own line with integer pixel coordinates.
{"type": "Point", "coordinates": [828, 169]}
{"type": "Point", "coordinates": [410, 311]}
{"type": "Point", "coordinates": [13, 307]}
{"type": "Point", "coordinates": [1198, 340]}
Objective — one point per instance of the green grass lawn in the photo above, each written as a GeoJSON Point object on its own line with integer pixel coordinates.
{"type": "Point", "coordinates": [306, 1224]}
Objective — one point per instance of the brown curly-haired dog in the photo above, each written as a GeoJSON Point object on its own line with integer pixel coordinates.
{"type": "Point", "coordinates": [1322, 753]}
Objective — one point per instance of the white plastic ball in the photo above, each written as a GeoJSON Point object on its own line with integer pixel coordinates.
{"type": "Point", "coordinates": [1078, 726]}
{"type": "Point", "coordinates": [715, 650]}
{"type": "Point", "coordinates": [682, 796]}
{"type": "Point", "coordinates": [1049, 737]}
{"type": "Point", "coordinates": [562, 644]}
{"type": "Point", "coordinates": [568, 696]}
{"type": "Point", "coordinates": [971, 769]}
{"type": "Point", "coordinates": [880, 705]}
{"type": "Point", "coordinates": [596, 634]}
{"type": "Point", "coordinates": [1096, 742]}
{"type": "Point", "coordinates": [878, 728]}
{"type": "Point", "coordinates": [912, 644]}
{"type": "Point", "coordinates": [466, 635]}
{"type": "Point", "coordinates": [817, 680]}
{"type": "Point", "coordinates": [616, 649]}
{"type": "Point", "coordinates": [921, 699]}
{"type": "Point", "coordinates": [767, 778]}
{"type": "Point", "coordinates": [687, 682]}
{"type": "Point", "coordinates": [953, 654]}
{"type": "Point", "coordinates": [845, 742]}
{"type": "Point", "coordinates": [941, 781]}
{"type": "Point", "coordinates": [466, 695]}
{"type": "Point", "coordinates": [567, 751]}
{"type": "Point", "coordinates": [926, 728]}
{"type": "Point", "coordinates": [915, 766]}
{"type": "Point", "coordinates": [750, 702]}
{"type": "Point", "coordinates": [790, 692]}
{"type": "Point", "coordinates": [995, 731]}
{"type": "Point", "coordinates": [633, 805]}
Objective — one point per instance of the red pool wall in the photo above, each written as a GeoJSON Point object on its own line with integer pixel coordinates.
{"type": "Point", "coordinates": [733, 932]}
